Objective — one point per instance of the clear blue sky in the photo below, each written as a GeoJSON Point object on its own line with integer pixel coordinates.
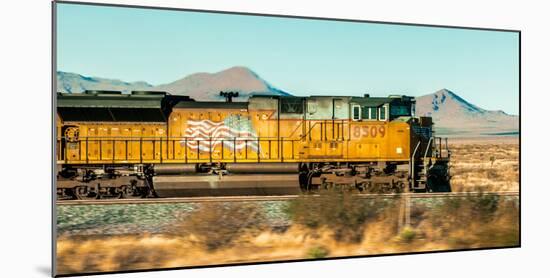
{"type": "Point", "coordinates": [296, 55]}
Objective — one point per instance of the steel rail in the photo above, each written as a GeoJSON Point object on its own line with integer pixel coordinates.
{"type": "Point", "coordinates": [274, 198]}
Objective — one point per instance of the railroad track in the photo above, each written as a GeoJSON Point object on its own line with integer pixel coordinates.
{"type": "Point", "coordinates": [270, 198]}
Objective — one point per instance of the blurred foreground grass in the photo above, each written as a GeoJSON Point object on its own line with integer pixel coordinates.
{"type": "Point", "coordinates": [337, 224]}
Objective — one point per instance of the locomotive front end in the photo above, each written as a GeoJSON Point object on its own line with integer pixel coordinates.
{"type": "Point", "coordinates": [430, 156]}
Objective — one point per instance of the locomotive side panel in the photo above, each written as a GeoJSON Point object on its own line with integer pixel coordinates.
{"type": "Point", "coordinates": [379, 141]}
{"type": "Point", "coordinates": [218, 132]}
{"type": "Point", "coordinates": [101, 142]}
{"type": "Point", "coordinates": [264, 115]}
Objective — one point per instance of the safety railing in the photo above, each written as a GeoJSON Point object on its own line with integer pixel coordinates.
{"type": "Point", "coordinates": [441, 152]}
{"type": "Point", "coordinates": [337, 129]}
{"type": "Point", "coordinates": [159, 149]}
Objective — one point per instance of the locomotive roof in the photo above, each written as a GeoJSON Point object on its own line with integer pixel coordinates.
{"type": "Point", "coordinates": [378, 101]}
{"type": "Point", "coordinates": [139, 106]}
{"type": "Point", "coordinates": [361, 99]}
{"type": "Point", "coordinates": [212, 104]}
{"type": "Point", "coordinates": [109, 99]}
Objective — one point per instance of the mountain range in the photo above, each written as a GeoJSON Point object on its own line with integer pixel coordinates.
{"type": "Point", "coordinates": [452, 115]}
{"type": "Point", "coordinates": [68, 82]}
{"type": "Point", "coordinates": [200, 86]}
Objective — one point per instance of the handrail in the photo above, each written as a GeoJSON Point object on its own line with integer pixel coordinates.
{"type": "Point", "coordinates": [309, 130]}
{"type": "Point", "coordinates": [321, 123]}
{"type": "Point", "coordinates": [412, 161]}
{"type": "Point", "coordinates": [164, 137]}
{"type": "Point", "coordinates": [426, 154]}
{"type": "Point", "coordinates": [428, 147]}
{"type": "Point", "coordinates": [296, 129]}
{"type": "Point", "coordinates": [84, 143]}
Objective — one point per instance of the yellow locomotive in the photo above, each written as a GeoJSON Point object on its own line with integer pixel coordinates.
{"type": "Point", "coordinates": [114, 145]}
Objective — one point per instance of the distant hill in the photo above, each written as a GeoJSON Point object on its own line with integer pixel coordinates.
{"type": "Point", "coordinates": [207, 86]}
{"type": "Point", "coordinates": [453, 115]}
{"type": "Point", "coordinates": [200, 86]}
{"type": "Point", "coordinates": [68, 82]}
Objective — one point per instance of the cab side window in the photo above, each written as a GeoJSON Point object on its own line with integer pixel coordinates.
{"type": "Point", "coordinates": [373, 113]}
{"type": "Point", "coordinates": [369, 113]}
{"type": "Point", "coordinates": [356, 112]}
{"type": "Point", "coordinates": [383, 113]}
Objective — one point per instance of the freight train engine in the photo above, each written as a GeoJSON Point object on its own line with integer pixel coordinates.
{"type": "Point", "coordinates": [152, 144]}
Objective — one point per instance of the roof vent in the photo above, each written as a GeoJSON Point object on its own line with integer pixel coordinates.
{"type": "Point", "coordinates": [149, 93]}
{"type": "Point", "coordinates": [229, 95]}
{"type": "Point", "coordinates": [102, 92]}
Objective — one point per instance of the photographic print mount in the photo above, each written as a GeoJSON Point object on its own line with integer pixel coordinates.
{"type": "Point", "coordinates": [232, 179]}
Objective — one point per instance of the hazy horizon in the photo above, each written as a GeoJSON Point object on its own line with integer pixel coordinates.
{"type": "Point", "coordinates": [295, 55]}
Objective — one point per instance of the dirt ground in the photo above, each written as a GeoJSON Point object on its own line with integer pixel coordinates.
{"type": "Point", "coordinates": [485, 140]}
{"type": "Point", "coordinates": [490, 164]}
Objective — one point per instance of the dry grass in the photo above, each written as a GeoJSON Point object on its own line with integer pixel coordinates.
{"type": "Point", "coordinates": [344, 214]}
{"type": "Point", "coordinates": [490, 167]}
{"type": "Point", "coordinates": [473, 222]}
{"type": "Point", "coordinates": [453, 224]}
{"type": "Point", "coordinates": [217, 225]}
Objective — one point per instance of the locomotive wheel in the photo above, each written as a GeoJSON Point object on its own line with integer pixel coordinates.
{"type": "Point", "coordinates": [65, 194]}
{"type": "Point", "coordinates": [85, 193]}
{"type": "Point", "coordinates": [384, 188]}
{"type": "Point", "coordinates": [376, 188]}
{"type": "Point", "coordinates": [130, 192]}
{"type": "Point", "coordinates": [397, 187]}
{"type": "Point", "coordinates": [110, 193]}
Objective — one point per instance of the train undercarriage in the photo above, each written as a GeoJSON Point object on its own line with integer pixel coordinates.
{"type": "Point", "coordinates": [225, 179]}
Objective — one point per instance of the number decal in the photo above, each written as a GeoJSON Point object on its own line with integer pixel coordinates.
{"type": "Point", "coordinates": [382, 131]}
{"type": "Point", "coordinates": [369, 131]}
{"type": "Point", "coordinates": [357, 132]}
{"type": "Point", "coordinates": [373, 131]}
{"type": "Point", "coordinates": [365, 132]}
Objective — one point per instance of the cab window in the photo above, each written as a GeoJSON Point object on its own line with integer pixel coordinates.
{"type": "Point", "coordinates": [382, 114]}
{"type": "Point", "coordinates": [369, 113]}
{"type": "Point", "coordinates": [400, 110]}
{"type": "Point", "coordinates": [356, 110]}
{"type": "Point", "coordinates": [373, 113]}
{"type": "Point", "coordinates": [365, 113]}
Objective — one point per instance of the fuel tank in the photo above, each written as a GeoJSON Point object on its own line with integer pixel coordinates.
{"type": "Point", "coordinates": [226, 185]}
{"type": "Point", "coordinates": [234, 179]}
